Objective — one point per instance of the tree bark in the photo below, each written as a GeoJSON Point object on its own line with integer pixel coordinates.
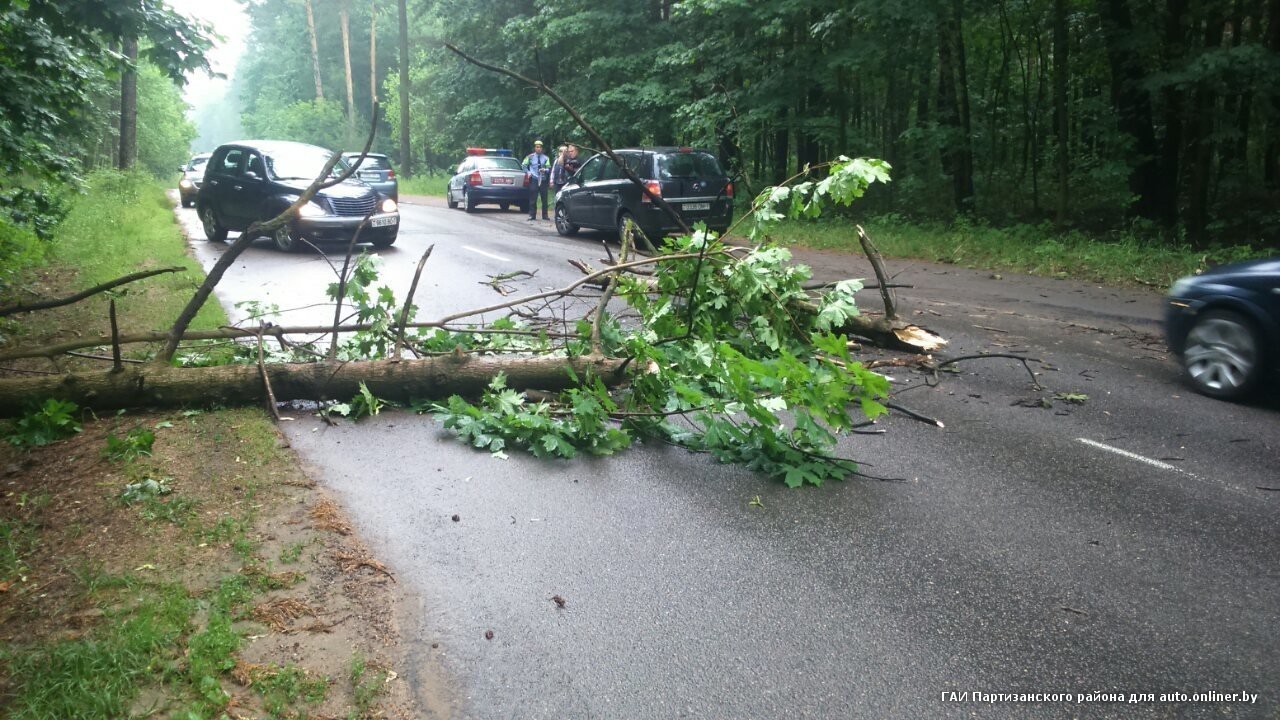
{"type": "Point", "coordinates": [345, 21]}
{"type": "Point", "coordinates": [1271, 153]}
{"type": "Point", "coordinates": [373, 52]}
{"type": "Point", "coordinates": [406, 157]}
{"type": "Point", "coordinates": [964, 182]}
{"type": "Point", "coordinates": [315, 50]}
{"type": "Point", "coordinates": [128, 105]}
{"type": "Point", "coordinates": [1061, 68]}
{"type": "Point", "coordinates": [1133, 106]}
{"type": "Point", "coordinates": [407, 380]}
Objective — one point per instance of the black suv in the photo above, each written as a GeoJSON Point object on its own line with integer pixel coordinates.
{"type": "Point", "coordinates": [254, 180]}
{"type": "Point", "coordinates": [600, 196]}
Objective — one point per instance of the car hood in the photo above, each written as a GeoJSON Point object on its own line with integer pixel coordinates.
{"type": "Point", "coordinates": [1248, 268]}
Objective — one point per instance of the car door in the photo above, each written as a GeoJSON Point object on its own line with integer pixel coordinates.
{"type": "Point", "coordinates": [221, 175]}
{"type": "Point", "coordinates": [581, 205]}
{"type": "Point", "coordinates": [458, 180]}
{"type": "Point", "coordinates": [248, 190]}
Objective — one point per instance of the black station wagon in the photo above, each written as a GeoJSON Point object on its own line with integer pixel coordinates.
{"type": "Point", "coordinates": [600, 196]}
{"type": "Point", "coordinates": [254, 180]}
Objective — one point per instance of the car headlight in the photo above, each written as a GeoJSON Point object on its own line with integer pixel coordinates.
{"type": "Point", "coordinates": [1181, 286]}
{"type": "Point", "coordinates": [389, 205]}
{"type": "Point", "coordinates": [311, 209]}
{"type": "Point", "coordinates": [184, 183]}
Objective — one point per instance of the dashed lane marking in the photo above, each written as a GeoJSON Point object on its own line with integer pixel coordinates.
{"type": "Point", "coordinates": [1165, 466]}
{"type": "Point", "coordinates": [486, 254]}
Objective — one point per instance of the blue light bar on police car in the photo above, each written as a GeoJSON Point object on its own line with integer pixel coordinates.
{"type": "Point", "coordinates": [500, 152]}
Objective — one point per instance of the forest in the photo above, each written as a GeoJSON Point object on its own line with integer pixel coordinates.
{"type": "Point", "coordinates": [1102, 115]}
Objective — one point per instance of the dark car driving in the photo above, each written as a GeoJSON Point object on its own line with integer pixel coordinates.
{"type": "Point", "coordinates": [601, 197]}
{"type": "Point", "coordinates": [254, 180]}
{"type": "Point", "coordinates": [490, 177]}
{"type": "Point", "coordinates": [376, 172]}
{"type": "Point", "coordinates": [1224, 326]}
{"type": "Point", "coordinates": [192, 178]}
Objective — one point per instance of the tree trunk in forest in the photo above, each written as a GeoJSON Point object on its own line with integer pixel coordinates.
{"type": "Point", "coordinates": [345, 21]}
{"type": "Point", "coordinates": [128, 105]}
{"type": "Point", "coordinates": [112, 139]}
{"type": "Point", "coordinates": [1061, 68]}
{"type": "Point", "coordinates": [422, 379]}
{"type": "Point", "coordinates": [1202, 143]}
{"type": "Point", "coordinates": [373, 54]}
{"type": "Point", "coordinates": [406, 157]}
{"type": "Point", "coordinates": [315, 50]}
{"type": "Point", "coordinates": [964, 183]}
{"type": "Point", "coordinates": [1271, 154]}
{"type": "Point", "coordinates": [781, 151]}
{"type": "Point", "coordinates": [1133, 107]}
{"type": "Point", "coordinates": [952, 150]}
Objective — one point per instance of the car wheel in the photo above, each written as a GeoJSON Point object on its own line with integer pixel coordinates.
{"type": "Point", "coordinates": [1222, 355]}
{"type": "Point", "coordinates": [453, 204]}
{"type": "Point", "coordinates": [505, 206]}
{"type": "Point", "coordinates": [286, 239]}
{"type": "Point", "coordinates": [563, 226]}
{"type": "Point", "coordinates": [212, 229]}
{"type": "Point", "coordinates": [623, 217]}
{"type": "Point", "coordinates": [468, 201]}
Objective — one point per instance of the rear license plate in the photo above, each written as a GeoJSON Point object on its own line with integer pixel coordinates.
{"type": "Point", "coordinates": [697, 206]}
{"type": "Point", "coordinates": [370, 176]}
{"type": "Point", "coordinates": [502, 181]}
{"type": "Point", "coordinates": [384, 221]}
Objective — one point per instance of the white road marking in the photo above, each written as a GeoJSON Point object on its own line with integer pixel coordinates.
{"type": "Point", "coordinates": [488, 255]}
{"type": "Point", "coordinates": [1166, 466]}
{"type": "Point", "coordinates": [1133, 456]}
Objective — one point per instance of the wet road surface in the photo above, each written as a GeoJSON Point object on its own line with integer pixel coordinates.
{"type": "Point", "coordinates": [1122, 545]}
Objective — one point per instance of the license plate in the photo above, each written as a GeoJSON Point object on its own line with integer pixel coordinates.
{"type": "Point", "coordinates": [384, 221]}
{"type": "Point", "coordinates": [697, 206]}
{"type": "Point", "coordinates": [502, 181]}
{"type": "Point", "coordinates": [370, 176]}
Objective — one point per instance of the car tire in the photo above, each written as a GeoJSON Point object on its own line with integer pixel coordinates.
{"type": "Point", "coordinates": [286, 239]}
{"type": "Point", "coordinates": [213, 230]}
{"type": "Point", "coordinates": [383, 243]}
{"type": "Point", "coordinates": [623, 217]}
{"type": "Point", "coordinates": [468, 201]}
{"type": "Point", "coordinates": [563, 226]}
{"type": "Point", "coordinates": [1222, 355]}
{"type": "Point", "coordinates": [505, 206]}
{"type": "Point", "coordinates": [453, 204]}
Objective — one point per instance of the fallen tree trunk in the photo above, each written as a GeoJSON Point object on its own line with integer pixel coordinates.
{"type": "Point", "coordinates": [403, 381]}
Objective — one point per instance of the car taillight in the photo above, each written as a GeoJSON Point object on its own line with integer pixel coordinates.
{"type": "Point", "coordinates": [391, 174]}
{"type": "Point", "coordinates": [654, 187]}
{"type": "Point", "coordinates": [474, 178]}
{"type": "Point", "coordinates": [728, 190]}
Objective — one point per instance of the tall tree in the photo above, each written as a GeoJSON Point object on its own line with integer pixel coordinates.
{"type": "Point", "coordinates": [373, 53]}
{"type": "Point", "coordinates": [1061, 122]}
{"type": "Point", "coordinates": [315, 49]}
{"type": "Point", "coordinates": [128, 151]}
{"type": "Point", "coordinates": [406, 157]}
{"type": "Point", "coordinates": [345, 21]}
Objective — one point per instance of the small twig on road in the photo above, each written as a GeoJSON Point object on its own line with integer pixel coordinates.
{"type": "Point", "coordinates": [915, 415]}
{"type": "Point", "coordinates": [408, 301]}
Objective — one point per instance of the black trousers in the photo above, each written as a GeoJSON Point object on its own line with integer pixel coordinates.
{"type": "Point", "coordinates": [536, 189]}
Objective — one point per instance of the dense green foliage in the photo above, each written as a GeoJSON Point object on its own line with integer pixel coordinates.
{"type": "Point", "coordinates": [1096, 115]}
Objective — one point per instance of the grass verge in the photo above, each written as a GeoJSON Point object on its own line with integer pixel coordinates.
{"type": "Point", "coordinates": [424, 185]}
{"type": "Point", "coordinates": [1124, 260]}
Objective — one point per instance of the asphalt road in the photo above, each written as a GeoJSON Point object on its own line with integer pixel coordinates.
{"type": "Point", "coordinates": [1123, 545]}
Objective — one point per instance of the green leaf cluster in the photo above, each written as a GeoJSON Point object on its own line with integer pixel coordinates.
{"type": "Point", "coordinates": [51, 421]}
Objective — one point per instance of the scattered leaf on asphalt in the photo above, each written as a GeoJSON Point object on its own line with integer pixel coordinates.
{"type": "Point", "coordinates": [559, 601]}
{"type": "Point", "coordinates": [455, 518]}
{"type": "Point", "coordinates": [488, 634]}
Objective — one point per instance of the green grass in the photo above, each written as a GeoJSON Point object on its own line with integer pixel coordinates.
{"type": "Point", "coordinates": [368, 684]}
{"type": "Point", "coordinates": [424, 185]}
{"type": "Point", "coordinates": [1121, 260]}
{"type": "Point", "coordinates": [122, 224]}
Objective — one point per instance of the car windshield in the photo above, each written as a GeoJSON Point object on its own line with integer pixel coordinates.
{"type": "Point", "coordinates": [197, 163]}
{"type": "Point", "coordinates": [497, 163]}
{"type": "Point", "coordinates": [300, 163]}
{"type": "Point", "coordinates": [688, 164]}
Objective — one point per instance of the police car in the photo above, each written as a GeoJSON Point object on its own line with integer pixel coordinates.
{"type": "Point", "coordinates": [489, 176]}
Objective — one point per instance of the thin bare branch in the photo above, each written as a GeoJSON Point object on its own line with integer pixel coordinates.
{"type": "Point", "coordinates": [408, 302]}
{"type": "Point", "coordinates": [46, 304]}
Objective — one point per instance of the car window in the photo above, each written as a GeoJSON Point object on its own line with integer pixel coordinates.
{"type": "Point", "coordinates": [255, 166]}
{"type": "Point", "coordinates": [197, 163]}
{"type": "Point", "coordinates": [635, 163]}
{"type": "Point", "coordinates": [370, 162]}
{"type": "Point", "coordinates": [497, 163]}
{"type": "Point", "coordinates": [688, 164]}
{"type": "Point", "coordinates": [465, 166]}
{"type": "Point", "coordinates": [231, 162]}
{"type": "Point", "coordinates": [592, 170]}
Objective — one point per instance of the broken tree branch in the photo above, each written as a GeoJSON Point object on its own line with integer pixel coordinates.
{"type": "Point", "coordinates": [877, 264]}
{"type": "Point", "coordinates": [115, 338]}
{"type": "Point", "coordinates": [342, 282]}
{"type": "Point", "coordinates": [408, 302]}
{"type": "Point", "coordinates": [266, 380]}
{"type": "Point", "coordinates": [46, 304]}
